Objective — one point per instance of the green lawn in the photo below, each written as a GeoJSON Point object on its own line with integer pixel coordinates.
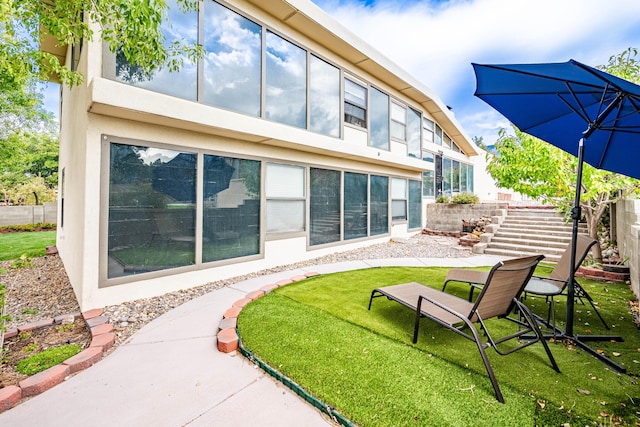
{"type": "Point", "coordinates": [319, 333]}
{"type": "Point", "coordinates": [33, 244]}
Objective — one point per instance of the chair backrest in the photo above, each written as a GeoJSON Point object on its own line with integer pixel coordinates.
{"type": "Point", "coordinates": [562, 270]}
{"type": "Point", "coordinates": [506, 281]}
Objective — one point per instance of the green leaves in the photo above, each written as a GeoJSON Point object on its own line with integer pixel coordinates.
{"type": "Point", "coordinates": [130, 26]}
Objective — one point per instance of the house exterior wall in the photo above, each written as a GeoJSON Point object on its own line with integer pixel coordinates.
{"type": "Point", "coordinates": [103, 111]}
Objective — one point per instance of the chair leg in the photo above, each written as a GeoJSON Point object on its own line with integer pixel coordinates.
{"type": "Point", "coordinates": [534, 325]}
{"type": "Point", "coordinates": [485, 360]}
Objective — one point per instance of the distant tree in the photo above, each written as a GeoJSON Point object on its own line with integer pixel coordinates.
{"type": "Point", "coordinates": [25, 156]}
{"type": "Point", "coordinates": [532, 167]}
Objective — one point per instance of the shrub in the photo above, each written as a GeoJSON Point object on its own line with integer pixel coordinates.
{"type": "Point", "coordinates": [47, 358]}
{"type": "Point", "coordinates": [465, 199]}
{"type": "Point", "coordinates": [442, 199]}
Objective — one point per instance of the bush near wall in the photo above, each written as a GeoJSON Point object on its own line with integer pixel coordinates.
{"type": "Point", "coordinates": [40, 226]}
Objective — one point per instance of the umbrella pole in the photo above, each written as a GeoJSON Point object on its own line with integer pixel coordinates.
{"type": "Point", "coordinates": [576, 213]}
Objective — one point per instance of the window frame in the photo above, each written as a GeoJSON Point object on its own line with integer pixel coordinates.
{"type": "Point", "coordinates": [361, 123]}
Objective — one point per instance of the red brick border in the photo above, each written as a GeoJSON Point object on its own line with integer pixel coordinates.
{"type": "Point", "coordinates": [102, 338]}
{"type": "Point", "coordinates": [227, 336]}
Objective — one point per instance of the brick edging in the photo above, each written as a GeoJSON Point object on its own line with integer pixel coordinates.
{"type": "Point", "coordinates": [102, 339]}
{"type": "Point", "coordinates": [227, 336]}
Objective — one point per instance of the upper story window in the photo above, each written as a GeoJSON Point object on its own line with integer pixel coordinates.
{"type": "Point", "coordinates": [379, 119]}
{"type": "Point", "coordinates": [438, 134]}
{"type": "Point", "coordinates": [355, 104]}
{"type": "Point", "coordinates": [232, 64]}
{"type": "Point", "coordinates": [398, 121]}
{"type": "Point", "coordinates": [324, 97]}
{"type": "Point", "coordinates": [286, 82]}
{"type": "Point", "coordinates": [446, 141]}
{"type": "Point", "coordinates": [179, 26]}
{"type": "Point", "coordinates": [427, 130]}
{"type": "Point", "coordinates": [413, 133]}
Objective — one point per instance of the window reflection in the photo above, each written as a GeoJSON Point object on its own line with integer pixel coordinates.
{"type": "Point", "coordinates": [324, 97]}
{"type": "Point", "coordinates": [179, 26]}
{"type": "Point", "coordinates": [379, 205]}
{"type": "Point", "coordinates": [152, 196]}
{"type": "Point", "coordinates": [379, 137]}
{"type": "Point", "coordinates": [286, 80]}
{"type": "Point", "coordinates": [231, 208]}
{"type": "Point", "coordinates": [355, 205]}
{"type": "Point", "coordinates": [413, 133]}
{"type": "Point", "coordinates": [232, 62]}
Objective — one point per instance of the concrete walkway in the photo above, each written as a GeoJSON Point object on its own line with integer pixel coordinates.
{"type": "Point", "coordinates": [170, 373]}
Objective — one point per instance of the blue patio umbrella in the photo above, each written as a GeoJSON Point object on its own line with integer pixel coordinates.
{"type": "Point", "coordinates": [579, 109]}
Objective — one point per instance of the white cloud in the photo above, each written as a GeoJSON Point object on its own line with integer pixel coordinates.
{"type": "Point", "coordinates": [437, 41]}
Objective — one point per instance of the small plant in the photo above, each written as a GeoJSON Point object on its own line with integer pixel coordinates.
{"type": "Point", "coordinates": [442, 199]}
{"type": "Point", "coordinates": [3, 317]}
{"type": "Point", "coordinates": [24, 335]}
{"type": "Point", "coordinates": [465, 199]}
{"type": "Point", "coordinates": [65, 328]}
{"type": "Point", "coordinates": [47, 358]}
{"type": "Point", "coordinates": [30, 348]}
{"type": "Point", "coordinates": [23, 262]}
{"type": "Point", "coordinates": [33, 311]}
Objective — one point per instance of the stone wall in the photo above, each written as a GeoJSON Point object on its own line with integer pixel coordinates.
{"type": "Point", "coordinates": [449, 216]}
{"type": "Point", "coordinates": [18, 215]}
{"type": "Point", "coordinates": [628, 237]}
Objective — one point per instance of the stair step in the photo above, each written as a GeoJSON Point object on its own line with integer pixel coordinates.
{"type": "Point", "coordinates": [528, 248]}
{"type": "Point", "coordinates": [541, 243]}
{"type": "Point", "coordinates": [535, 235]}
{"type": "Point", "coordinates": [549, 257]}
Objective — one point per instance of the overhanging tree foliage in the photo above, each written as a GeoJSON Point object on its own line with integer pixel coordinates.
{"type": "Point", "coordinates": [532, 167]}
{"type": "Point", "coordinates": [132, 27]}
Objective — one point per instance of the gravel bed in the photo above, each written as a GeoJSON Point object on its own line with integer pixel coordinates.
{"type": "Point", "coordinates": [44, 291]}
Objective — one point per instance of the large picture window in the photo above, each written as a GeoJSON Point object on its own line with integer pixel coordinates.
{"type": "Point", "coordinates": [286, 80]}
{"type": "Point", "coordinates": [179, 26]}
{"type": "Point", "coordinates": [356, 206]}
{"type": "Point", "coordinates": [232, 64]}
{"type": "Point", "coordinates": [415, 205]}
{"type": "Point", "coordinates": [379, 111]}
{"type": "Point", "coordinates": [152, 195]}
{"type": "Point", "coordinates": [231, 208]}
{"type": "Point", "coordinates": [324, 97]}
{"type": "Point", "coordinates": [324, 205]}
{"type": "Point", "coordinates": [285, 191]}
{"type": "Point", "coordinates": [379, 190]}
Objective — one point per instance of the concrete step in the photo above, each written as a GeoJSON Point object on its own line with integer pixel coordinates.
{"type": "Point", "coordinates": [541, 243]}
{"type": "Point", "coordinates": [553, 218]}
{"type": "Point", "coordinates": [537, 249]}
{"type": "Point", "coordinates": [534, 228]}
{"type": "Point", "coordinates": [535, 235]}
{"type": "Point", "coordinates": [549, 257]}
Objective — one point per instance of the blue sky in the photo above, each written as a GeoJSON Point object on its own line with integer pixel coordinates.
{"type": "Point", "coordinates": [437, 40]}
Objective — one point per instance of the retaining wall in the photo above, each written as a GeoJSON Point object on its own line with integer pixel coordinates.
{"type": "Point", "coordinates": [18, 215]}
{"type": "Point", "coordinates": [449, 216]}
